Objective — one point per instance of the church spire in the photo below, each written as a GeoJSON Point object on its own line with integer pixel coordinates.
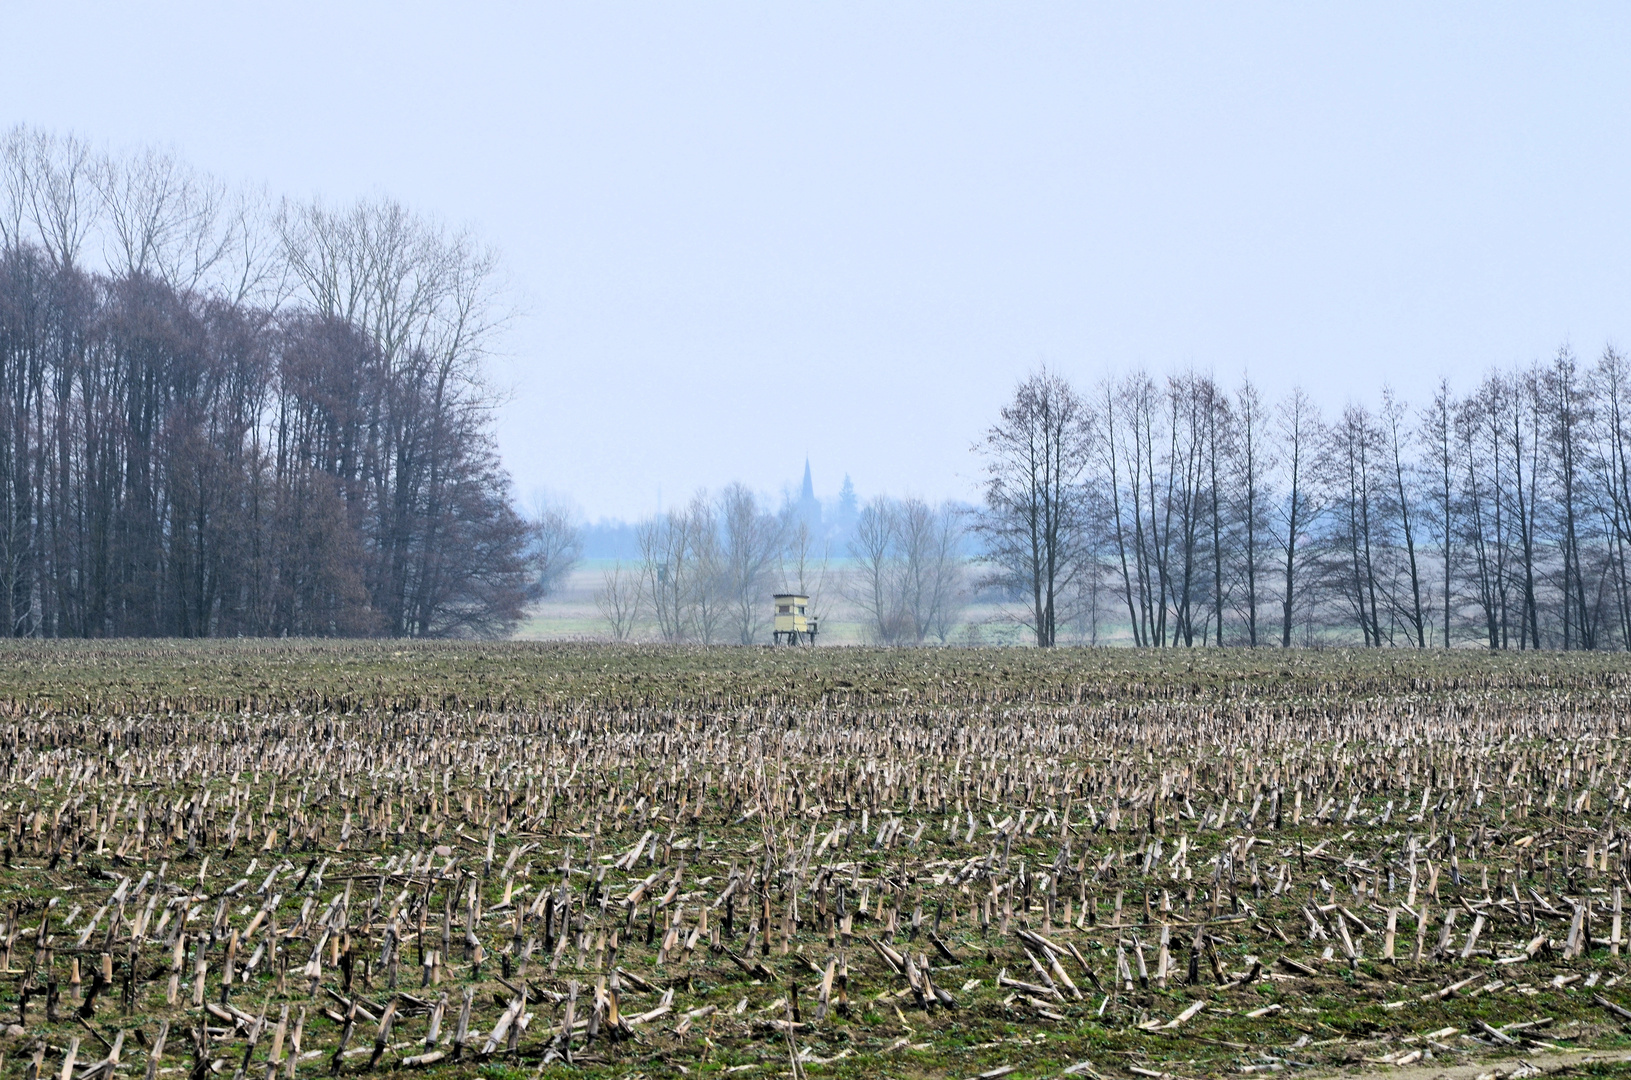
{"type": "Point", "coordinates": [809, 506]}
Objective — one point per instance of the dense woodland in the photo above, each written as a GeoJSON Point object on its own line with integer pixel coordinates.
{"type": "Point", "coordinates": [221, 416]}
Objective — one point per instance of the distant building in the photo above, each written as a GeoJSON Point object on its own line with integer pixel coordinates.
{"type": "Point", "coordinates": [849, 507]}
{"type": "Point", "coordinates": [809, 507]}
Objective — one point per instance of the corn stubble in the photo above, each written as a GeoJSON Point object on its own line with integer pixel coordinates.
{"type": "Point", "coordinates": [844, 862]}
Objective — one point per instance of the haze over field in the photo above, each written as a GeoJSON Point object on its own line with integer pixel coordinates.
{"type": "Point", "coordinates": [818, 540]}
{"type": "Point", "coordinates": [882, 217]}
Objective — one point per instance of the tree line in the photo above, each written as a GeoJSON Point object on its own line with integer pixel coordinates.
{"type": "Point", "coordinates": [707, 570]}
{"type": "Point", "coordinates": [225, 415]}
{"type": "Point", "coordinates": [1182, 513]}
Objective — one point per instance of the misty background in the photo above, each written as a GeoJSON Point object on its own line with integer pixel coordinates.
{"type": "Point", "coordinates": [734, 239]}
{"type": "Point", "coordinates": [883, 215]}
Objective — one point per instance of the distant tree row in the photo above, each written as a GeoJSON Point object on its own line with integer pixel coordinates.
{"type": "Point", "coordinates": [908, 577]}
{"type": "Point", "coordinates": [222, 416]}
{"type": "Point", "coordinates": [1188, 514]}
{"type": "Point", "coordinates": [707, 570]}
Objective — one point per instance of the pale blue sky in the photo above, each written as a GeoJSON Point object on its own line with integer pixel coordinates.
{"type": "Point", "coordinates": [881, 215]}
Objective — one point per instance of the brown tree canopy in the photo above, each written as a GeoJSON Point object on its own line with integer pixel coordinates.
{"type": "Point", "coordinates": [172, 463]}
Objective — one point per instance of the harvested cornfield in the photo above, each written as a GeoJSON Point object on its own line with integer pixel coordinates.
{"type": "Point", "coordinates": [315, 860]}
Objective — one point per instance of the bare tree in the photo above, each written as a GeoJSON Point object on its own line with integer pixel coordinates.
{"type": "Point", "coordinates": [751, 542]}
{"type": "Point", "coordinates": [253, 270]}
{"type": "Point", "coordinates": [1569, 418]}
{"type": "Point", "coordinates": [685, 573]}
{"type": "Point", "coordinates": [1186, 505]}
{"type": "Point", "coordinates": [58, 196]}
{"type": "Point", "coordinates": [1402, 474]}
{"type": "Point", "coordinates": [555, 546]}
{"type": "Point", "coordinates": [1518, 492]}
{"type": "Point", "coordinates": [709, 596]}
{"type": "Point", "coordinates": [417, 289]}
{"type": "Point", "coordinates": [1355, 543]}
{"type": "Point", "coordinates": [1524, 437]}
{"type": "Point", "coordinates": [804, 568]}
{"type": "Point", "coordinates": [1481, 442]}
{"type": "Point", "coordinates": [1217, 432]}
{"type": "Point", "coordinates": [1036, 517]}
{"type": "Point", "coordinates": [1088, 609]}
{"type": "Point", "coordinates": [908, 577]}
{"type": "Point", "coordinates": [427, 299]}
{"type": "Point", "coordinates": [1139, 446]}
{"type": "Point", "coordinates": [1613, 468]}
{"type": "Point", "coordinates": [164, 218]}
{"type": "Point", "coordinates": [927, 543]}
{"type": "Point", "coordinates": [16, 181]}
{"type": "Point", "coordinates": [1438, 437]}
{"type": "Point", "coordinates": [873, 586]}
{"type": "Point", "coordinates": [1251, 498]}
{"type": "Point", "coordinates": [1112, 437]}
{"type": "Point", "coordinates": [1299, 429]}
{"type": "Point", "coordinates": [946, 572]}
{"type": "Point", "coordinates": [619, 601]}
{"type": "Point", "coordinates": [667, 569]}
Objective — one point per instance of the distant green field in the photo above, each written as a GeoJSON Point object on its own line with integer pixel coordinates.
{"type": "Point", "coordinates": [571, 615]}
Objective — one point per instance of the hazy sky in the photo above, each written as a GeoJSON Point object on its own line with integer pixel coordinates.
{"type": "Point", "coordinates": [741, 234]}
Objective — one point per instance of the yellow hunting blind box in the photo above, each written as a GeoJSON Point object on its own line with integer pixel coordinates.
{"type": "Point", "coordinates": [793, 620]}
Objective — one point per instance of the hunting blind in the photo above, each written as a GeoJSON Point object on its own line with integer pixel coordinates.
{"type": "Point", "coordinates": [793, 620]}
